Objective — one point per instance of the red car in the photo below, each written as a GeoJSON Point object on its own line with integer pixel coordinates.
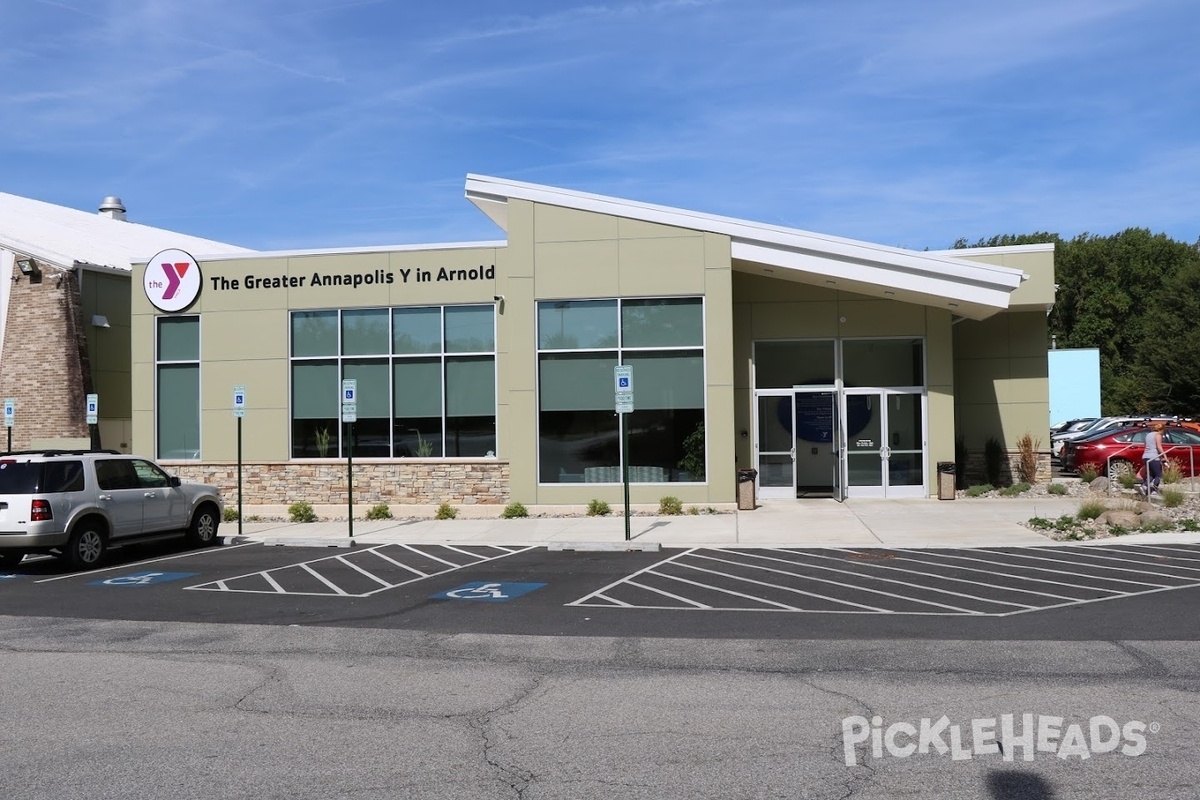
{"type": "Point", "coordinates": [1121, 451]}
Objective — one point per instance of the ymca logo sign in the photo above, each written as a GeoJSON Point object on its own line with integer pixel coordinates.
{"type": "Point", "coordinates": [172, 280]}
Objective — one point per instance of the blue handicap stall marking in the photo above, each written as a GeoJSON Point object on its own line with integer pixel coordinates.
{"type": "Point", "coordinates": [143, 578]}
{"type": "Point", "coordinates": [488, 591]}
{"type": "Point", "coordinates": [5, 576]}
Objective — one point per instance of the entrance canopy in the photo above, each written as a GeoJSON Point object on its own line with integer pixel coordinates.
{"type": "Point", "coordinates": [966, 288]}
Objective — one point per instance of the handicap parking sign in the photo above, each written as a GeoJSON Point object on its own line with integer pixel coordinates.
{"type": "Point", "coordinates": [488, 591]}
{"type": "Point", "coordinates": [143, 578]}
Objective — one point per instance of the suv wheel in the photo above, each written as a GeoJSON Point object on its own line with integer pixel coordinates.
{"type": "Point", "coordinates": [9, 559]}
{"type": "Point", "coordinates": [203, 530]}
{"type": "Point", "coordinates": [86, 546]}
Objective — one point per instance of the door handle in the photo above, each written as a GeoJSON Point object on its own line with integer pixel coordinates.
{"type": "Point", "coordinates": [148, 494]}
{"type": "Point", "coordinates": [105, 496]}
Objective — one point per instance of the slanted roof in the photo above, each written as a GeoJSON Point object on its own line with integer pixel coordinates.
{"type": "Point", "coordinates": [63, 236]}
{"type": "Point", "coordinates": [965, 288]}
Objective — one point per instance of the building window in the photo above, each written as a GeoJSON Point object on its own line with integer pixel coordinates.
{"type": "Point", "coordinates": [426, 382]}
{"type": "Point", "coordinates": [579, 344]}
{"type": "Point", "coordinates": [177, 369]}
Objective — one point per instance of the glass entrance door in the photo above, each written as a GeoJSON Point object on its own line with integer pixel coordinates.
{"type": "Point", "coordinates": [798, 444]}
{"type": "Point", "coordinates": [885, 443]}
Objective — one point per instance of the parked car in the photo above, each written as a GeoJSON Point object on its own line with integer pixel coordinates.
{"type": "Point", "coordinates": [1059, 440]}
{"type": "Point", "coordinates": [1120, 451]}
{"type": "Point", "coordinates": [77, 504]}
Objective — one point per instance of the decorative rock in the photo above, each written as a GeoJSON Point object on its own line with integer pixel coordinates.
{"type": "Point", "coordinates": [1099, 485]}
{"type": "Point", "coordinates": [1119, 516]}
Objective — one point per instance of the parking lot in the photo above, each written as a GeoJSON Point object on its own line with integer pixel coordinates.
{"type": "Point", "coordinates": [1061, 592]}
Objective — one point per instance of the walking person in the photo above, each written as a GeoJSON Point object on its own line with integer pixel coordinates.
{"type": "Point", "coordinates": [1152, 459]}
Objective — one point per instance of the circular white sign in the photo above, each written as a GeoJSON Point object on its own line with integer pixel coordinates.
{"type": "Point", "coordinates": [172, 280]}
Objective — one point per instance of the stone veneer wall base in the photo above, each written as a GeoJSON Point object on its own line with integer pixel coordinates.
{"type": "Point", "coordinates": [484, 482]}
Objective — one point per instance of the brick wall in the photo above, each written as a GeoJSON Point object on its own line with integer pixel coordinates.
{"type": "Point", "coordinates": [976, 470]}
{"type": "Point", "coordinates": [484, 482]}
{"type": "Point", "coordinates": [43, 363]}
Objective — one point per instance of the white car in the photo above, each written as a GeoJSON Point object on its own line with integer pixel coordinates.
{"type": "Point", "coordinates": [77, 504]}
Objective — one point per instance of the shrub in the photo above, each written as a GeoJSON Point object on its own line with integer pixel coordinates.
{"type": "Point", "coordinates": [514, 511]}
{"type": "Point", "coordinates": [1172, 471]}
{"type": "Point", "coordinates": [692, 510]}
{"type": "Point", "coordinates": [1089, 472]}
{"type": "Point", "coordinates": [379, 511]}
{"type": "Point", "coordinates": [983, 488]}
{"type": "Point", "coordinates": [254, 518]}
{"type": "Point", "coordinates": [670, 506]}
{"type": "Point", "coordinates": [1127, 479]}
{"type": "Point", "coordinates": [446, 511]}
{"type": "Point", "coordinates": [1015, 489]}
{"type": "Point", "coordinates": [301, 512]}
{"type": "Point", "coordinates": [229, 514]}
{"type": "Point", "coordinates": [1172, 498]}
{"type": "Point", "coordinates": [1091, 509]}
{"type": "Point", "coordinates": [1188, 524]}
{"type": "Point", "coordinates": [1056, 488]}
{"type": "Point", "coordinates": [598, 508]}
{"type": "Point", "coordinates": [993, 458]}
{"type": "Point", "coordinates": [1027, 457]}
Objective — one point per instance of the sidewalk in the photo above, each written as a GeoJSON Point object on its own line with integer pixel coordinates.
{"type": "Point", "coordinates": [981, 522]}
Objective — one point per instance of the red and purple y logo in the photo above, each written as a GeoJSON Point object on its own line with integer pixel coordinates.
{"type": "Point", "coordinates": [172, 280]}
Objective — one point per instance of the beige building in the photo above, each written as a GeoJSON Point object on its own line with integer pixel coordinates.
{"type": "Point", "coordinates": [487, 372]}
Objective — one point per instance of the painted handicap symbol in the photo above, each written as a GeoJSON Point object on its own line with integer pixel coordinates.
{"type": "Point", "coordinates": [487, 591]}
{"type": "Point", "coordinates": [143, 578]}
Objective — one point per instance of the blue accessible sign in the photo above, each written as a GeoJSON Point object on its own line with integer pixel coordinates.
{"type": "Point", "coordinates": [143, 578]}
{"type": "Point", "coordinates": [488, 591]}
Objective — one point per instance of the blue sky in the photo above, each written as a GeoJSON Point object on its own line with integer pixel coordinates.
{"type": "Point", "coordinates": [279, 124]}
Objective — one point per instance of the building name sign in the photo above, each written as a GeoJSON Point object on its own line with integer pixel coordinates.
{"type": "Point", "coordinates": [354, 280]}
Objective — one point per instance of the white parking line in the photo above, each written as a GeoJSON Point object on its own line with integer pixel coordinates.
{"type": "Point", "coordinates": [852, 573]}
{"type": "Point", "coordinates": [664, 593]}
{"type": "Point", "coordinates": [1039, 569]}
{"type": "Point", "coordinates": [337, 589]}
{"type": "Point", "coordinates": [139, 563]}
{"type": "Point", "coordinates": [1100, 566]}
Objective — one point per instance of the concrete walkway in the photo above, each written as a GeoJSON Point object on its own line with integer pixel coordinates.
{"type": "Point", "coordinates": [978, 522]}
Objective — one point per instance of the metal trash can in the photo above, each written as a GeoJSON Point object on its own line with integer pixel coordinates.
{"type": "Point", "coordinates": [747, 489]}
{"type": "Point", "coordinates": [946, 478]}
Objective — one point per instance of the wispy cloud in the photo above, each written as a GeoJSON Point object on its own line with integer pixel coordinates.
{"type": "Point", "coordinates": [299, 123]}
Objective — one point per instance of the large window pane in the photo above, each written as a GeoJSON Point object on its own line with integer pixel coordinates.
{"type": "Point", "coordinates": [577, 381]}
{"type": "Point", "coordinates": [365, 332]}
{"type": "Point", "coordinates": [470, 436]}
{"type": "Point", "coordinates": [179, 411]}
{"type": "Point", "coordinates": [418, 388]}
{"type": "Point", "coordinates": [370, 438]}
{"type": "Point", "coordinates": [314, 333]}
{"type": "Point", "coordinates": [316, 438]}
{"type": "Point", "coordinates": [470, 329]}
{"type": "Point", "coordinates": [579, 447]}
{"type": "Point", "coordinates": [470, 386]}
{"type": "Point", "coordinates": [663, 322]}
{"type": "Point", "coordinates": [374, 387]}
{"type": "Point", "coordinates": [666, 445]}
{"type": "Point", "coordinates": [178, 338]}
{"type": "Point", "coordinates": [416, 330]}
{"type": "Point", "coordinates": [577, 324]}
{"type": "Point", "coordinates": [665, 380]}
{"type": "Point", "coordinates": [782, 365]}
{"type": "Point", "coordinates": [316, 391]}
{"type": "Point", "coordinates": [883, 362]}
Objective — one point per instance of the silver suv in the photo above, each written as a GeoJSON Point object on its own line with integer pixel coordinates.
{"type": "Point", "coordinates": [77, 504]}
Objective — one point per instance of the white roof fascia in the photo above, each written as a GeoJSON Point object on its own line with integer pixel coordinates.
{"type": "Point", "coordinates": [338, 251]}
{"type": "Point", "coordinates": [935, 275]}
{"type": "Point", "coordinates": [999, 249]}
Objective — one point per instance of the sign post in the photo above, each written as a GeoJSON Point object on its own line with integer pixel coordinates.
{"type": "Point", "coordinates": [623, 386]}
{"type": "Point", "coordinates": [239, 411]}
{"type": "Point", "coordinates": [10, 413]}
{"type": "Point", "coordinates": [349, 400]}
{"type": "Point", "coordinates": [93, 417]}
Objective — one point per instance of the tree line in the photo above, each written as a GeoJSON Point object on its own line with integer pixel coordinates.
{"type": "Point", "coordinates": [1135, 296]}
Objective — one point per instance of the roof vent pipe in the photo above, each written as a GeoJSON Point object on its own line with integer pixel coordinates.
{"type": "Point", "coordinates": [111, 207]}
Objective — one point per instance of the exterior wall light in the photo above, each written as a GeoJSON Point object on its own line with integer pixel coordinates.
{"type": "Point", "coordinates": [30, 269]}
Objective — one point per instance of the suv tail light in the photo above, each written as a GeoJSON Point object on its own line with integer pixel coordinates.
{"type": "Point", "coordinates": [39, 511]}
